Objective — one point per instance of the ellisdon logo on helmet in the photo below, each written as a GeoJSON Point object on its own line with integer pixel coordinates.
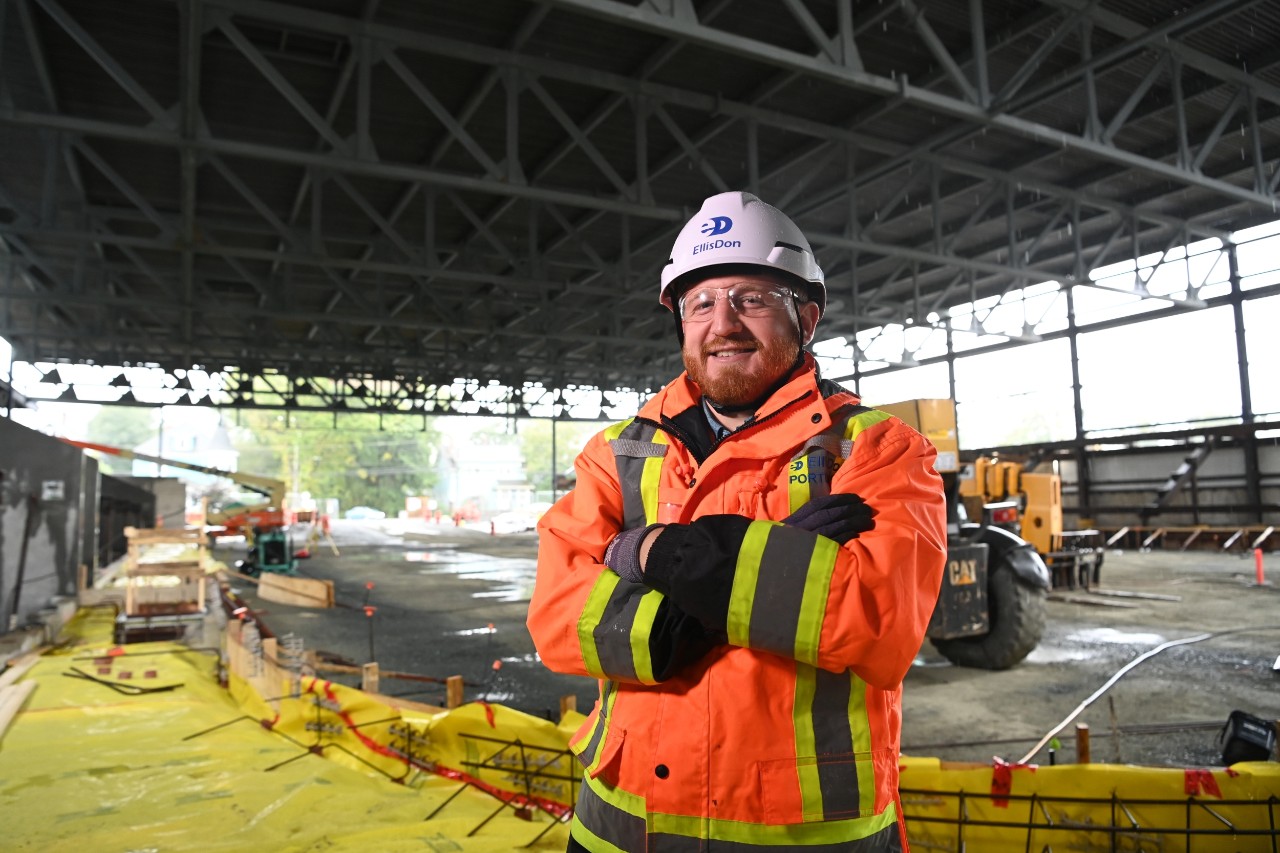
{"type": "Point", "coordinates": [713, 226]}
{"type": "Point", "coordinates": [717, 225]}
{"type": "Point", "coordinates": [717, 244]}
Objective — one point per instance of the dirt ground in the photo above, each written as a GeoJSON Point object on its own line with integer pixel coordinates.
{"type": "Point", "coordinates": [1167, 710]}
{"type": "Point", "coordinates": [452, 601]}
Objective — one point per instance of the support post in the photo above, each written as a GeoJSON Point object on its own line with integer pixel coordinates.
{"type": "Point", "coordinates": [453, 692]}
{"type": "Point", "coordinates": [369, 677]}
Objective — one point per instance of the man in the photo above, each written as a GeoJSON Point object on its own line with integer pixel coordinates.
{"type": "Point", "coordinates": [748, 566]}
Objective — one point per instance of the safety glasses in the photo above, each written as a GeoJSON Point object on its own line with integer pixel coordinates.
{"type": "Point", "coordinates": [748, 300]}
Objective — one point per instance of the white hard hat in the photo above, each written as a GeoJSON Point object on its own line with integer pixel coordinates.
{"type": "Point", "coordinates": [737, 228]}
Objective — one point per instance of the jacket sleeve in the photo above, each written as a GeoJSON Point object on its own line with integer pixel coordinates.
{"type": "Point", "coordinates": [863, 606]}
{"type": "Point", "coordinates": [583, 618]}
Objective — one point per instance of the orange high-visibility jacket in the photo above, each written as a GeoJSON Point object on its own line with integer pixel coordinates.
{"type": "Point", "coordinates": [750, 689]}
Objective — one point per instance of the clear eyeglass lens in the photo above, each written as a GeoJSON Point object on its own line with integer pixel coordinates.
{"type": "Point", "coordinates": [749, 301]}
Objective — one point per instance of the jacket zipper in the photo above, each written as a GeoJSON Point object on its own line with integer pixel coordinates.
{"type": "Point", "coordinates": [683, 438]}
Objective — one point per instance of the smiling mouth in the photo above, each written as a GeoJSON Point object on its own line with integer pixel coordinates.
{"type": "Point", "coordinates": [729, 349]}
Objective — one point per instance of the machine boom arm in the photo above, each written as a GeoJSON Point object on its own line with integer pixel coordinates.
{"type": "Point", "coordinates": [272, 490]}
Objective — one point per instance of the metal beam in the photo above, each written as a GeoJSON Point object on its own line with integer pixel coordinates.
{"type": "Point", "coordinates": [900, 89]}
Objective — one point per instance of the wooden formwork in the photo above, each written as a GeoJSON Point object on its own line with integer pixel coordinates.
{"type": "Point", "coordinates": [165, 571]}
{"type": "Point", "coordinates": [259, 661]}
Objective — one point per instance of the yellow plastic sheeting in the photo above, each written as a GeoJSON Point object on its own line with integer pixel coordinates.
{"type": "Point", "coordinates": [507, 749]}
{"type": "Point", "coordinates": [84, 767]}
{"type": "Point", "coordinates": [502, 750]}
{"type": "Point", "coordinates": [1068, 807]}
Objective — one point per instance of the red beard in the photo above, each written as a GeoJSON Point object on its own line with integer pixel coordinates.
{"type": "Point", "coordinates": [740, 386]}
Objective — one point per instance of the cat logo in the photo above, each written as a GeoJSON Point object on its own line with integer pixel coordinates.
{"type": "Point", "coordinates": [962, 572]}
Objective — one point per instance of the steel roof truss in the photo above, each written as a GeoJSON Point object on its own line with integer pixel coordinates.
{"type": "Point", "coordinates": [934, 102]}
{"type": "Point", "coordinates": [457, 132]}
{"type": "Point", "coordinates": [278, 81]}
{"type": "Point", "coordinates": [114, 69]}
{"type": "Point", "coordinates": [940, 52]}
{"type": "Point", "coordinates": [690, 150]}
{"type": "Point", "coordinates": [86, 151]}
{"type": "Point", "coordinates": [580, 139]}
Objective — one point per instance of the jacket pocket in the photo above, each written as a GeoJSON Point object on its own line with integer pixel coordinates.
{"type": "Point", "coordinates": [671, 500]}
{"type": "Point", "coordinates": [597, 744]}
{"type": "Point", "coordinates": [820, 788]}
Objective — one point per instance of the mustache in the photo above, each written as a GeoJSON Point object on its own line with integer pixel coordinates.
{"type": "Point", "coordinates": [709, 347]}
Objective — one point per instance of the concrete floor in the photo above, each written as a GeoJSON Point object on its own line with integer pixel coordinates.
{"type": "Point", "coordinates": [438, 589]}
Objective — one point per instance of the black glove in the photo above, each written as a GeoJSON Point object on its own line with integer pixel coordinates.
{"type": "Point", "coordinates": [841, 517]}
{"type": "Point", "coordinates": [623, 553]}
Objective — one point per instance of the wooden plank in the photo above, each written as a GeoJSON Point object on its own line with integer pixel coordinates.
{"type": "Point", "coordinates": [409, 705]}
{"type": "Point", "coordinates": [1080, 599]}
{"type": "Point", "coordinates": [152, 535]}
{"type": "Point", "coordinates": [18, 668]}
{"type": "Point", "coordinates": [299, 592]}
{"type": "Point", "coordinates": [1082, 743]}
{"type": "Point", "coordinates": [178, 569]}
{"type": "Point", "coordinates": [322, 666]}
{"type": "Point", "coordinates": [1149, 596]}
{"type": "Point", "coordinates": [11, 700]}
{"type": "Point", "coordinates": [163, 531]}
{"type": "Point", "coordinates": [369, 677]}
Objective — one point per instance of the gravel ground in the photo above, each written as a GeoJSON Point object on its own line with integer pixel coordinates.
{"type": "Point", "coordinates": [439, 589]}
{"type": "Point", "coordinates": [1167, 710]}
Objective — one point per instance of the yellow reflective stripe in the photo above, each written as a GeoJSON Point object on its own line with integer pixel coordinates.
{"type": "Point", "coordinates": [640, 630]}
{"type": "Point", "coordinates": [649, 480]}
{"type": "Point", "coordinates": [623, 801]}
{"type": "Point", "coordinates": [860, 727]}
{"type": "Point", "coordinates": [603, 721]}
{"type": "Point", "coordinates": [813, 603]}
{"type": "Point", "coordinates": [767, 835]}
{"type": "Point", "coordinates": [615, 430]}
{"type": "Point", "coordinates": [806, 741]}
{"type": "Point", "coordinates": [581, 833]}
{"type": "Point", "coordinates": [592, 613]}
{"type": "Point", "coordinates": [864, 421]}
{"type": "Point", "coordinates": [789, 835]}
{"type": "Point", "coordinates": [745, 575]}
{"type": "Point", "coordinates": [798, 482]}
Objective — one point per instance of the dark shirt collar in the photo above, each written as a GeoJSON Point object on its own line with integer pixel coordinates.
{"type": "Point", "coordinates": [719, 430]}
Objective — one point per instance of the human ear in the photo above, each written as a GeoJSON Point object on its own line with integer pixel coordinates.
{"type": "Point", "coordinates": [808, 314]}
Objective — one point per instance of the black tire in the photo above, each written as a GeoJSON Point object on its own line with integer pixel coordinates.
{"type": "Point", "coordinates": [1016, 619]}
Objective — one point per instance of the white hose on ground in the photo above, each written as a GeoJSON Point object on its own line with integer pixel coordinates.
{"type": "Point", "coordinates": [1120, 674]}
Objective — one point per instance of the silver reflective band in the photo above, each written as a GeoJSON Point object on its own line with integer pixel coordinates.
{"type": "Point", "coordinates": [748, 300]}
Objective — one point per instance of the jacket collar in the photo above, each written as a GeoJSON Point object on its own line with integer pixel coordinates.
{"type": "Point", "coordinates": [682, 393]}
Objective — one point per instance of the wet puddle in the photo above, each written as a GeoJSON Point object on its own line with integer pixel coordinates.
{"type": "Point", "coordinates": [510, 578]}
{"type": "Point", "coordinates": [1087, 644]}
{"type": "Point", "coordinates": [1112, 636]}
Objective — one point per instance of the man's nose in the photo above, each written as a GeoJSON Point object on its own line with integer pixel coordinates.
{"type": "Point", "coordinates": [724, 317]}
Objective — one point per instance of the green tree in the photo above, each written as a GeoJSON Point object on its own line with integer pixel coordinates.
{"type": "Point", "coordinates": [121, 426]}
{"type": "Point", "coordinates": [535, 443]}
{"type": "Point", "coordinates": [354, 457]}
